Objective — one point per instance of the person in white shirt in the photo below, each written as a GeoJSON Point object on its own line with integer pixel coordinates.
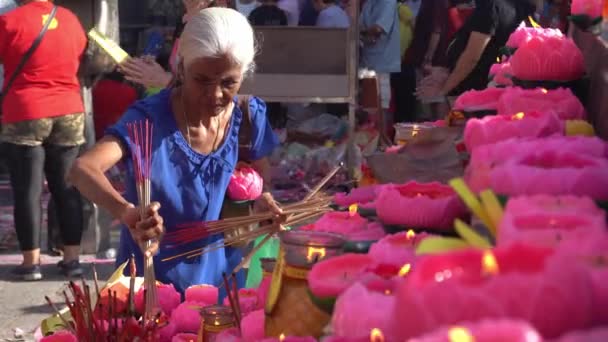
{"type": "Point", "coordinates": [245, 7]}
{"type": "Point", "coordinates": [330, 14]}
{"type": "Point", "coordinates": [292, 9]}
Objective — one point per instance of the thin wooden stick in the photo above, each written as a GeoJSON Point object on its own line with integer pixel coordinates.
{"type": "Point", "coordinates": [237, 302]}
{"type": "Point", "coordinates": [231, 301]}
{"type": "Point", "coordinates": [95, 279]}
{"type": "Point", "coordinates": [58, 313]}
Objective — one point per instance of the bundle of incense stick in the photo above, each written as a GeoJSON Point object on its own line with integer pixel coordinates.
{"type": "Point", "coordinates": [232, 292]}
{"type": "Point", "coordinates": [307, 214]}
{"type": "Point", "coordinates": [140, 134]}
{"type": "Point", "coordinates": [297, 212]}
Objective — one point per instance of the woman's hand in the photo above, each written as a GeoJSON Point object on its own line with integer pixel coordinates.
{"type": "Point", "coordinates": [149, 228]}
{"type": "Point", "coordinates": [267, 203]}
{"type": "Point", "coordinates": [146, 71]}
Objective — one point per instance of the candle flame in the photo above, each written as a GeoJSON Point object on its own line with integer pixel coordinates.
{"type": "Point", "coordinates": [459, 334]}
{"type": "Point", "coordinates": [533, 22]}
{"type": "Point", "coordinates": [518, 116]}
{"type": "Point", "coordinates": [376, 335]}
{"type": "Point", "coordinates": [282, 337]}
{"type": "Point", "coordinates": [489, 263]}
{"type": "Point", "coordinates": [545, 91]}
{"type": "Point", "coordinates": [352, 209]}
{"type": "Point", "coordinates": [405, 270]}
{"type": "Point", "coordinates": [387, 292]}
{"type": "Point", "coordinates": [315, 253]}
{"type": "Point", "coordinates": [410, 234]}
{"type": "Point", "coordinates": [497, 59]}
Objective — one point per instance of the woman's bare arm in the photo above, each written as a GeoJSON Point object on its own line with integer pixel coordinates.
{"type": "Point", "coordinates": [467, 61]}
{"type": "Point", "coordinates": [88, 175]}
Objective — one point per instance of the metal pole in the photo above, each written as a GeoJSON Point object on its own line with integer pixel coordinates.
{"type": "Point", "coordinates": [353, 71]}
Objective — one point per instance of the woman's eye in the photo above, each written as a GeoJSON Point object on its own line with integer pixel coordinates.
{"type": "Point", "coordinates": [229, 83]}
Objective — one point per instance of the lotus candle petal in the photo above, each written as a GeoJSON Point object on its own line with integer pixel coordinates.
{"type": "Point", "coordinates": [524, 34]}
{"type": "Point", "coordinates": [168, 298]}
{"type": "Point", "coordinates": [552, 173]}
{"type": "Point", "coordinates": [373, 231]}
{"type": "Point", "coordinates": [185, 337]}
{"type": "Point", "coordinates": [501, 74]}
{"type": "Point", "coordinates": [397, 249]}
{"type": "Point", "coordinates": [187, 317]}
{"type": "Point", "coordinates": [245, 184]}
{"type": "Point", "coordinates": [521, 282]}
{"type": "Point", "coordinates": [419, 205]}
{"type": "Point", "coordinates": [547, 220]}
{"type": "Point", "coordinates": [561, 101]}
{"type": "Point", "coordinates": [485, 158]}
{"type": "Point", "coordinates": [353, 226]}
{"type": "Point", "coordinates": [485, 331]}
{"type": "Point", "coordinates": [593, 335]}
{"type": "Point", "coordinates": [359, 310]}
{"type": "Point", "coordinates": [360, 195]}
{"type": "Point", "coordinates": [591, 8]}
{"type": "Point", "coordinates": [478, 100]}
{"type": "Point", "coordinates": [252, 326]}
{"type": "Point", "coordinates": [231, 335]}
{"type": "Point", "coordinates": [262, 290]}
{"type": "Point", "coordinates": [548, 59]}
{"type": "Point", "coordinates": [248, 300]}
{"type": "Point", "coordinates": [166, 333]}
{"type": "Point", "coordinates": [208, 294]}
{"type": "Point", "coordinates": [60, 336]}
{"type": "Point", "coordinates": [331, 277]}
{"type": "Point", "coordinates": [495, 128]}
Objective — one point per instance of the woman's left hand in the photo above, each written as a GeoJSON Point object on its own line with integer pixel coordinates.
{"type": "Point", "coordinates": [267, 203]}
{"type": "Point", "coordinates": [146, 72]}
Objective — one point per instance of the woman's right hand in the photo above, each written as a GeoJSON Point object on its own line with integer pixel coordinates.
{"type": "Point", "coordinates": [144, 229]}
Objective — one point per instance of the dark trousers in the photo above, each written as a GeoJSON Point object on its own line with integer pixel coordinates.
{"type": "Point", "coordinates": [404, 86]}
{"type": "Point", "coordinates": [28, 165]}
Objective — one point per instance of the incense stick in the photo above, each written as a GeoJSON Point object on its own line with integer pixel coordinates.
{"type": "Point", "coordinates": [95, 279]}
{"type": "Point", "coordinates": [231, 301]}
{"type": "Point", "coordinates": [58, 313]}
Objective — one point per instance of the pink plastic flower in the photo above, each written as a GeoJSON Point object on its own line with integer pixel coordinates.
{"type": "Point", "coordinates": [523, 34]}
{"type": "Point", "coordinates": [548, 220]}
{"type": "Point", "coordinates": [485, 158]}
{"type": "Point", "coordinates": [548, 59]}
{"type": "Point", "coordinates": [485, 331]}
{"type": "Point", "coordinates": [591, 8]}
{"type": "Point", "coordinates": [245, 184]}
{"type": "Point", "coordinates": [520, 282]}
{"type": "Point", "coordinates": [187, 317]}
{"type": "Point", "coordinates": [553, 173]}
{"type": "Point", "coordinates": [419, 205]}
{"type": "Point", "coordinates": [358, 311]}
{"type": "Point", "coordinates": [561, 101]}
{"type": "Point", "coordinates": [495, 128]}
{"type": "Point", "coordinates": [168, 298]}
{"type": "Point", "coordinates": [476, 100]}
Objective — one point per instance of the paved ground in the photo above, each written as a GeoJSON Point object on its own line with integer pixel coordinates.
{"type": "Point", "coordinates": [22, 304]}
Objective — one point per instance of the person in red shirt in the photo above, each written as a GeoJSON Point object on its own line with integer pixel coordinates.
{"type": "Point", "coordinates": [43, 126]}
{"type": "Point", "coordinates": [112, 96]}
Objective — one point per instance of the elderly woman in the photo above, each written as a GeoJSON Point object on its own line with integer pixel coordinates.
{"type": "Point", "coordinates": [195, 148]}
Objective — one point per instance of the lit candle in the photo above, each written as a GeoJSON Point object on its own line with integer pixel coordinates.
{"type": "Point", "coordinates": [561, 101]}
{"type": "Point", "coordinates": [397, 249]}
{"type": "Point", "coordinates": [511, 281]}
{"type": "Point", "coordinates": [215, 319]}
{"type": "Point", "coordinates": [184, 337]}
{"type": "Point", "coordinates": [307, 248]}
{"type": "Point", "coordinates": [248, 300]}
{"type": "Point", "coordinates": [436, 205]}
{"type": "Point", "coordinates": [495, 128]}
{"type": "Point", "coordinates": [344, 223]}
{"type": "Point", "coordinates": [486, 330]}
{"type": "Point", "coordinates": [331, 277]}
{"type": "Point", "coordinates": [208, 294]}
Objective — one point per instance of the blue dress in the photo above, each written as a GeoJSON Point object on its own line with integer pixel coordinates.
{"type": "Point", "coordinates": [189, 186]}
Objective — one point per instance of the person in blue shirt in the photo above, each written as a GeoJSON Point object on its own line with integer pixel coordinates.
{"type": "Point", "coordinates": [330, 14]}
{"type": "Point", "coordinates": [381, 49]}
{"type": "Point", "coordinates": [195, 147]}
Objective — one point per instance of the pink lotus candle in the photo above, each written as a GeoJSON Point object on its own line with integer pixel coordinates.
{"type": "Point", "coordinates": [168, 298]}
{"type": "Point", "coordinates": [593, 335]}
{"type": "Point", "coordinates": [373, 231]}
{"type": "Point", "coordinates": [547, 220]}
{"type": "Point", "coordinates": [548, 59]}
{"type": "Point", "coordinates": [591, 8]}
{"type": "Point", "coordinates": [232, 335]}
{"type": "Point", "coordinates": [185, 337]}
{"type": "Point", "coordinates": [518, 281]}
{"type": "Point", "coordinates": [419, 205]}
{"type": "Point", "coordinates": [397, 249]}
{"type": "Point", "coordinates": [290, 339]}
{"type": "Point", "coordinates": [187, 316]}
{"type": "Point", "coordinates": [166, 333]}
{"type": "Point", "coordinates": [252, 326]}
{"type": "Point", "coordinates": [552, 173]}
{"type": "Point", "coordinates": [245, 184]}
{"type": "Point", "coordinates": [360, 195]}
{"type": "Point", "coordinates": [484, 331]}
{"type": "Point", "coordinates": [208, 294]}
{"type": "Point", "coordinates": [561, 101]}
{"type": "Point", "coordinates": [60, 336]}
{"type": "Point", "coordinates": [492, 129]}
{"type": "Point", "coordinates": [332, 276]}
{"type": "Point", "coordinates": [485, 158]}
{"type": "Point", "coordinates": [524, 34]}
{"type": "Point", "coordinates": [478, 100]}
{"type": "Point", "coordinates": [248, 300]}
{"type": "Point", "coordinates": [501, 74]}
{"type": "Point", "coordinates": [359, 310]}
{"type": "Point", "coordinates": [351, 225]}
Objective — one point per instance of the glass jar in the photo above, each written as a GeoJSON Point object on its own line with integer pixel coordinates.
{"type": "Point", "coordinates": [267, 265]}
{"type": "Point", "coordinates": [216, 318]}
{"type": "Point", "coordinates": [305, 248]}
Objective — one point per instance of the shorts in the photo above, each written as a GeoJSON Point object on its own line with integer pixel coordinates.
{"type": "Point", "coordinates": [65, 130]}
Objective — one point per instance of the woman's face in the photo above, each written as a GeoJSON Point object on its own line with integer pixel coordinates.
{"type": "Point", "coordinates": [210, 83]}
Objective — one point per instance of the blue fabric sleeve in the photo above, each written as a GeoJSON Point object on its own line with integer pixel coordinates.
{"type": "Point", "coordinates": [383, 14]}
{"type": "Point", "coordinates": [263, 138]}
{"type": "Point", "coordinates": [324, 20]}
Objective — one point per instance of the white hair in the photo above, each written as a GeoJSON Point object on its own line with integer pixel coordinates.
{"type": "Point", "coordinates": [215, 32]}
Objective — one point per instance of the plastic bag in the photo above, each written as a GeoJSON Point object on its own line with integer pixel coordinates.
{"type": "Point", "coordinates": [245, 184]}
{"type": "Point", "coordinates": [269, 250]}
